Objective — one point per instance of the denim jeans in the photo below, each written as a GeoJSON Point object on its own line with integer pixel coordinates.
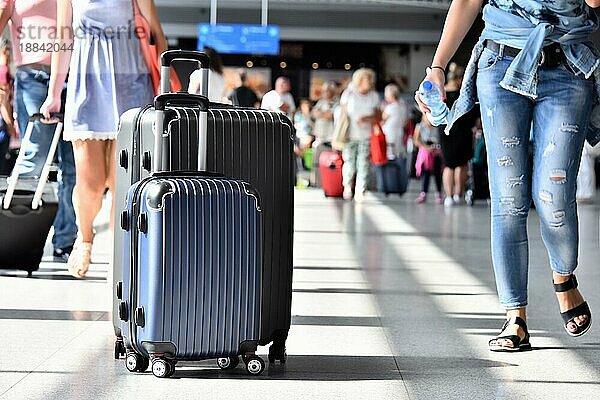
{"type": "Point", "coordinates": [31, 88]}
{"type": "Point", "coordinates": [559, 117]}
{"type": "Point", "coordinates": [356, 161]}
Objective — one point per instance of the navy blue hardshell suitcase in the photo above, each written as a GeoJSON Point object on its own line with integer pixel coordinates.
{"type": "Point", "coordinates": [392, 177]}
{"type": "Point", "coordinates": [192, 272]}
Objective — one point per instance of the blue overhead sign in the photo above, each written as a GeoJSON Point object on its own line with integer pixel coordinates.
{"type": "Point", "coordinates": [239, 39]}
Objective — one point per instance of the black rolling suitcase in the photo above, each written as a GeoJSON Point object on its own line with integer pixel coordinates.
{"type": "Point", "coordinates": [28, 208]}
{"type": "Point", "coordinates": [252, 145]}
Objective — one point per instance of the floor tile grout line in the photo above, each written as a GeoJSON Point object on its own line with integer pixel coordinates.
{"type": "Point", "coordinates": [356, 257]}
{"type": "Point", "coordinates": [46, 359]}
{"type": "Point", "coordinates": [389, 342]}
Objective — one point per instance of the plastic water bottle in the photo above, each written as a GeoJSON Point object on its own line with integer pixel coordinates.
{"type": "Point", "coordinates": [431, 95]}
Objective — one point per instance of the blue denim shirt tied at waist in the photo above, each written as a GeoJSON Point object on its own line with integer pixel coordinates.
{"type": "Point", "coordinates": [521, 76]}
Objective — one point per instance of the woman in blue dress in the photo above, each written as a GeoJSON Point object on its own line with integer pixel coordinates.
{"type": "Point", "coordinates": [533, 67]}
{"type": "Point", "coordinates": [100, 50]}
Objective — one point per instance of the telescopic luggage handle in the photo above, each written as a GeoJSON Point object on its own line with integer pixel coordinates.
{"type": "Point", "coordinates": [161, 136]}
{"type": "Point", "coordinates": [181, 99]}
{"type": "Point", "coordinates": [167, 58]}
{"type": "Point", "coordinates": [14, 177]}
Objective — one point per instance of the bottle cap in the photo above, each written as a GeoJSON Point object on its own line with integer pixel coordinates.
{"type": "Point", "coordinates": [427, 86]}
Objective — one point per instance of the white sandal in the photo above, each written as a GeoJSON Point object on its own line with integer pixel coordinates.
{"type": "Point", "coordinates": [80, 258]}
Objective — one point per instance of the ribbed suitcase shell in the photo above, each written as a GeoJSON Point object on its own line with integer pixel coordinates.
{"type": "Point", "coordinates": [197, 269]}
{"type": "Point", "coordinates": [252, 145]}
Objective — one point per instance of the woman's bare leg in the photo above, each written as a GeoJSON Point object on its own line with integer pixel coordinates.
{"type": "Point", "coordinates": [91, 180]}
{"type": "Point", "coordinates": [90, 164]}
{"type": "Point", "coordinates": [460, 178]}
{"type": "Point", "coordinates": [448, 177]}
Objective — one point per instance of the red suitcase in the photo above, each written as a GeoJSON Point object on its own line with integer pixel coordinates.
{"type": "Point", "coordinates": [330, 165]}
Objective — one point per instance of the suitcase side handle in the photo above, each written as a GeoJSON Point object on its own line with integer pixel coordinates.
{"type": "Point", "coordinates": [181, 99]}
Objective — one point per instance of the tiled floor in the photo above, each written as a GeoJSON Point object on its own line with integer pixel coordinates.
{"type": "Point", "coordinates": [391, 301]}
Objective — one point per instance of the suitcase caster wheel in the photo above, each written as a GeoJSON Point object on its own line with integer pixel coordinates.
{"type": "Point", "coordinates": [119, 349]}
{"type": "Point", "coordinates": [136, 363]}
{"type": "Point", "coordinates": [255, 365]}
{"type": "Point", "coordinates": [228, 362]}
{"type": "Point", "coordinates": [162, 368]}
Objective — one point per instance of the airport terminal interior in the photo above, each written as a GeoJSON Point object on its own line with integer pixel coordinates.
{"type": "Point", "coordinates": [393, 295]}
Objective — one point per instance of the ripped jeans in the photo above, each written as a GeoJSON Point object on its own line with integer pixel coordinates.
{"type": "Point", "coordinates": [559, 117]}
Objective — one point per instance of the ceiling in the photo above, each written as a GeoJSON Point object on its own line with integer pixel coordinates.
{"type": "Point", "coordinates": [376, 21]}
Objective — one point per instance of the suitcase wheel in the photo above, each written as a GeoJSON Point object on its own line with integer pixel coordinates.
{"type": "Point", "coordinates": [255, 365]}
{"type": "Point", "coordinates": [162, 368]}
{"type": "Point", "coordinates": [136, 363]}
{"type": "Point", "coordinates": [228, 362]}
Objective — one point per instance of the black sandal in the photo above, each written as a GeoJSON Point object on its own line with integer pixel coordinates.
{"type": "Point", "coordinates": [518, 343]}
{"type": "Point", "coordinates": [570, 315]}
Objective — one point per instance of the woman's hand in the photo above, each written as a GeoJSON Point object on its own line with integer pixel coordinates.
{"type": "Point", "coordinates": [436, 76]}
{"type": "Point", "coordinates": [51, 105]}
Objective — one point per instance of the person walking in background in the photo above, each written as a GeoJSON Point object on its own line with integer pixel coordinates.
{"type": "Point", "coordinates": [280, 99]}
{"type": "Point", "coordinates": [107, 76]}
{"type": "Point", "coordinates": [457, 146]}
{"type": "Point", "coordinates": [303, 122]}
{"type": "Point", "coordinates": [429, 158]}
{"type": "Point", "coordinates": [361, 106]}
{"type": "Point", "coordinates": [7, 128]}
{"type": "Point", "coordinates": [394, 117]}
{"type": "Point", "coordinates": [393, 176]}
{"type": "Point", "coordinates": [242, 95]}
{"type": "Point", "coordinates": [322, 113]}
{"type": "Point", "coordinates": [32, 78]}
{"type": "Point", "coordinates": [532, 64]}
{"type": "Point", "coordinates": [216, 81]}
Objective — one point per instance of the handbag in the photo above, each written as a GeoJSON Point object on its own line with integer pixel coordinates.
{"type": "Point", "coordinates": [150, 51]}
{"type": "Point", "coordinates": [378, 146]}
{"type": "Point", "coordinates": [341, 131]}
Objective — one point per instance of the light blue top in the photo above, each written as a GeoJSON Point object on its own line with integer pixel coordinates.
{"type": "Point", "coordinates": [531, 25]}
{"type": "Point", "coordinates": [556, 12]}
{"type": "Point", "coordinates": [108, 75]}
